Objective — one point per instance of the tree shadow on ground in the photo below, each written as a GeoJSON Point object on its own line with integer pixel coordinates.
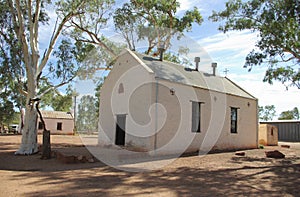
{"type": "Point", "coordinates": [184, 181]}
{"type": "Point", "coordinates": [247, 176]}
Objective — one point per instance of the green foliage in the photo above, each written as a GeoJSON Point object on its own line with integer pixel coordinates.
{"type": "Point", "coordinates": [87, 118]}
{"type": "Point", "coordinates": [289, 115]}
{"type": "Point", "coordinates": [62, 103]}
{"type": "Point", "coordinates": [11, 70]}
{"type": "Point", "coordinates": [277, 23]}
{"type": "Point", "coordinates": [6, 111]}
{"type": "Point", "coordinates": [92, 58]}
{"type": "Point", "coordinates": [267, 112]}
{"type": "Point", "coordinates": [179, 57]}
{"type": "Point", "coordinates": [55, 99]}
{"type": "Point", "coordinates": [98, 95]}
{"type": "Point", "coordinates": [65, 64]}
{"type": "Point", "coordinates": [287, 75]}
{"type": "Point", "coordinates": [153, 21]}
{"type": "Point", "coordinates": [88, 21]}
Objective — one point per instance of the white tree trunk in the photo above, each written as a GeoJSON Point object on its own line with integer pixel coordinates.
{"type": "Point", "coordinates": [29, 144]}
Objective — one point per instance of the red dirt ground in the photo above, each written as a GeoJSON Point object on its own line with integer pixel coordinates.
{"type": "Point", "coordinates": [219, 174]}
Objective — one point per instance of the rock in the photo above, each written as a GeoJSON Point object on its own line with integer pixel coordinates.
{"type": "Point", "coordinates": [81, 159]}
{"type": "Point", "coordinates": [274, 154]}
{"type": "Point", "coordinates": [240, 153]}
{"type": "Point", "coordinates": [91, 160]}
{"type": "Point", "coordinates": [285, 146]}
{"type": "Point", "coordinates": [65, 158]}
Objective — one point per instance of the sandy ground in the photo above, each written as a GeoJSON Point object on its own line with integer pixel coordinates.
{"type": "Point", "coordinates": [219, 174]}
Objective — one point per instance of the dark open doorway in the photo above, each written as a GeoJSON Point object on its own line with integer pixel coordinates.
{"type": "Point", "coordinates": [120, 130]}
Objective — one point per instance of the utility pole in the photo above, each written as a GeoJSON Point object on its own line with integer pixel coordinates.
{"type": "Point", "coordinates": [75, 105]}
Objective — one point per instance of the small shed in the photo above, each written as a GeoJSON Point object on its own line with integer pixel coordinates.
{"type": "Point", "coordinates": [288, 130]}
{"type": "Point", "coordinates": [57, 122]}
{"type": "Point", "coordinates": [268, 135]}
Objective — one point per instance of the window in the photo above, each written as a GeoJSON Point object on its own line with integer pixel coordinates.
{"type": "Point", "coordinates": [40, 126]}
{"type": "Point", "coordinates": [196, 117]}
{"type": "Point", "coordinates": [121, 88]}
{"type": "Point", "coordinates": [233, 120]}
{"type": "Point", "coordinates": [272, 132]}
{"type": "Point", "coordinates": [59, 126]}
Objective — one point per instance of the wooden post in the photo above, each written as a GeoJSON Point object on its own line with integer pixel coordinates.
{"type": "Point", "coordinates": [46, 148]}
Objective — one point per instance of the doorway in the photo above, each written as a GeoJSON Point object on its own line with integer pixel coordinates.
{"type": "Point", "coordinates": [120, 130]}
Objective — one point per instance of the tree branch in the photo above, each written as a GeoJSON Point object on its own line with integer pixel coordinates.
{"type": "Point", "coordinates": [95, 39]}
{"type": "Point", "coordinates": [23, 92]}
{"type": "Point", "coordinates": [55, 87]}
{"type": "Point", "coordinates": [20, 32]}
{"type": "Point", "coordinates": [54, 40]}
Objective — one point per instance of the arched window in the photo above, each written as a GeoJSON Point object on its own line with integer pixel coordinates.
{"type": "Point", "coordinates": [121, 88]}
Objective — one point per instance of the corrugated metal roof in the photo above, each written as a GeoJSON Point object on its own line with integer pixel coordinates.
{"type": "Point", "coordinates": [279, 121]}
{"type": "Point", "coordinates": [56, 115]}
{"type": "Point", "coordinates": [179, 74]}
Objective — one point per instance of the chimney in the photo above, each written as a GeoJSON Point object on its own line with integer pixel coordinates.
{"type": "Point", "coordinates": [214, 66]}
{"type": "Point", "coordinates": [161, 49]}
{"type": "Point", "coordinates": [197, 60]}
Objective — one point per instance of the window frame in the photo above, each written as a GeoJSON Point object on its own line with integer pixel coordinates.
{"type": "Point", "coordinates": [59, 128]}
{"type": "Point", "coordinates": [198, 118]}
{"type": "Point", "coordinates": [234, 130]}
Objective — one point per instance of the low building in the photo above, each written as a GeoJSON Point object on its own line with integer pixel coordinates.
{"type": "Point", "coordinates": [166, 108]}
{"type": "Point", "coordinates": [268, 135]}
{"type": "Point", "coordinates": [288, 130]}
{"type": "Point", "coordinates": [57, 122]}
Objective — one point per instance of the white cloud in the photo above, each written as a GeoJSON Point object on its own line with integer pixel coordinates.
{"type": "Point", "coordinates": [267, 94]}
{"type": "Point", "coordinates": [241, 42]}
{"type": "Point", "coordinates": [185, 5]}
{"type": "Point", "coordinates": [230, 50]}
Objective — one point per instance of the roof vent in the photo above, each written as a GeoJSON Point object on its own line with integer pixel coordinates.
{"type": "Point", "coordinates": [214, 66]}
{"type": "Point", "coordinates": [197, 60]}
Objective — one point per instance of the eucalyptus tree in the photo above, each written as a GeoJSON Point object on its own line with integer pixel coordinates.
{"type": "Point", "coordinates": [87, 118]}
{"type": "Point", "coordinates": [277, 23]}
{"type": "Point", "coordinates": [155, 21]}
{"type": "Point", "coordinates": [290, 114]}
{"type": "Point", "coordinates": [21, 23]}
{"type": "Point", "coordinates": [267, 112]}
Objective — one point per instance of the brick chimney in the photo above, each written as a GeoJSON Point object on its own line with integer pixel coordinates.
{"type": "Point", "coordinates": [197, 60]}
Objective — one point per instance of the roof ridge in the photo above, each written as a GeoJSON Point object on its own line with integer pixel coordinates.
{"type": "Point", "coordinates": [178, 73]}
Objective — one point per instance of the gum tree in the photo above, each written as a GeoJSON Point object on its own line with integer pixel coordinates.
{"type": "Point", "coordinates": [156, 22]}
{"type": "Point", "coordinates": [22, 25]}
{"type": "Point", "coordinates": [277, 23]}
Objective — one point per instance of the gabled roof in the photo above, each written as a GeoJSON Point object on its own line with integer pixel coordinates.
{"type": "Point", "coordinates": [56, 115]}
{"type": "Point", "coordinates": [179, 74]}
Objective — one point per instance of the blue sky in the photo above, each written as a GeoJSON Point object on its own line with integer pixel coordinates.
{"type": "Point", "coordinates": [228, 50]}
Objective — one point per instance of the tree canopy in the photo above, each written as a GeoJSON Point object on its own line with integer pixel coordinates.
{"type": "Point", "coordinates": [87, 118]}
{"type": "Point", "coordinates": [290, 114]}
{"type": "Point", "coordinates": [36, 72]}
{"type": "Point", "coordinates": [155, 21]}
{"type": "Point", "coordinates": [277, 23]}
{"type": "Point", "coordinates": [26, 68]}
{"type": "Point", "coordinates": [267, 112]}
